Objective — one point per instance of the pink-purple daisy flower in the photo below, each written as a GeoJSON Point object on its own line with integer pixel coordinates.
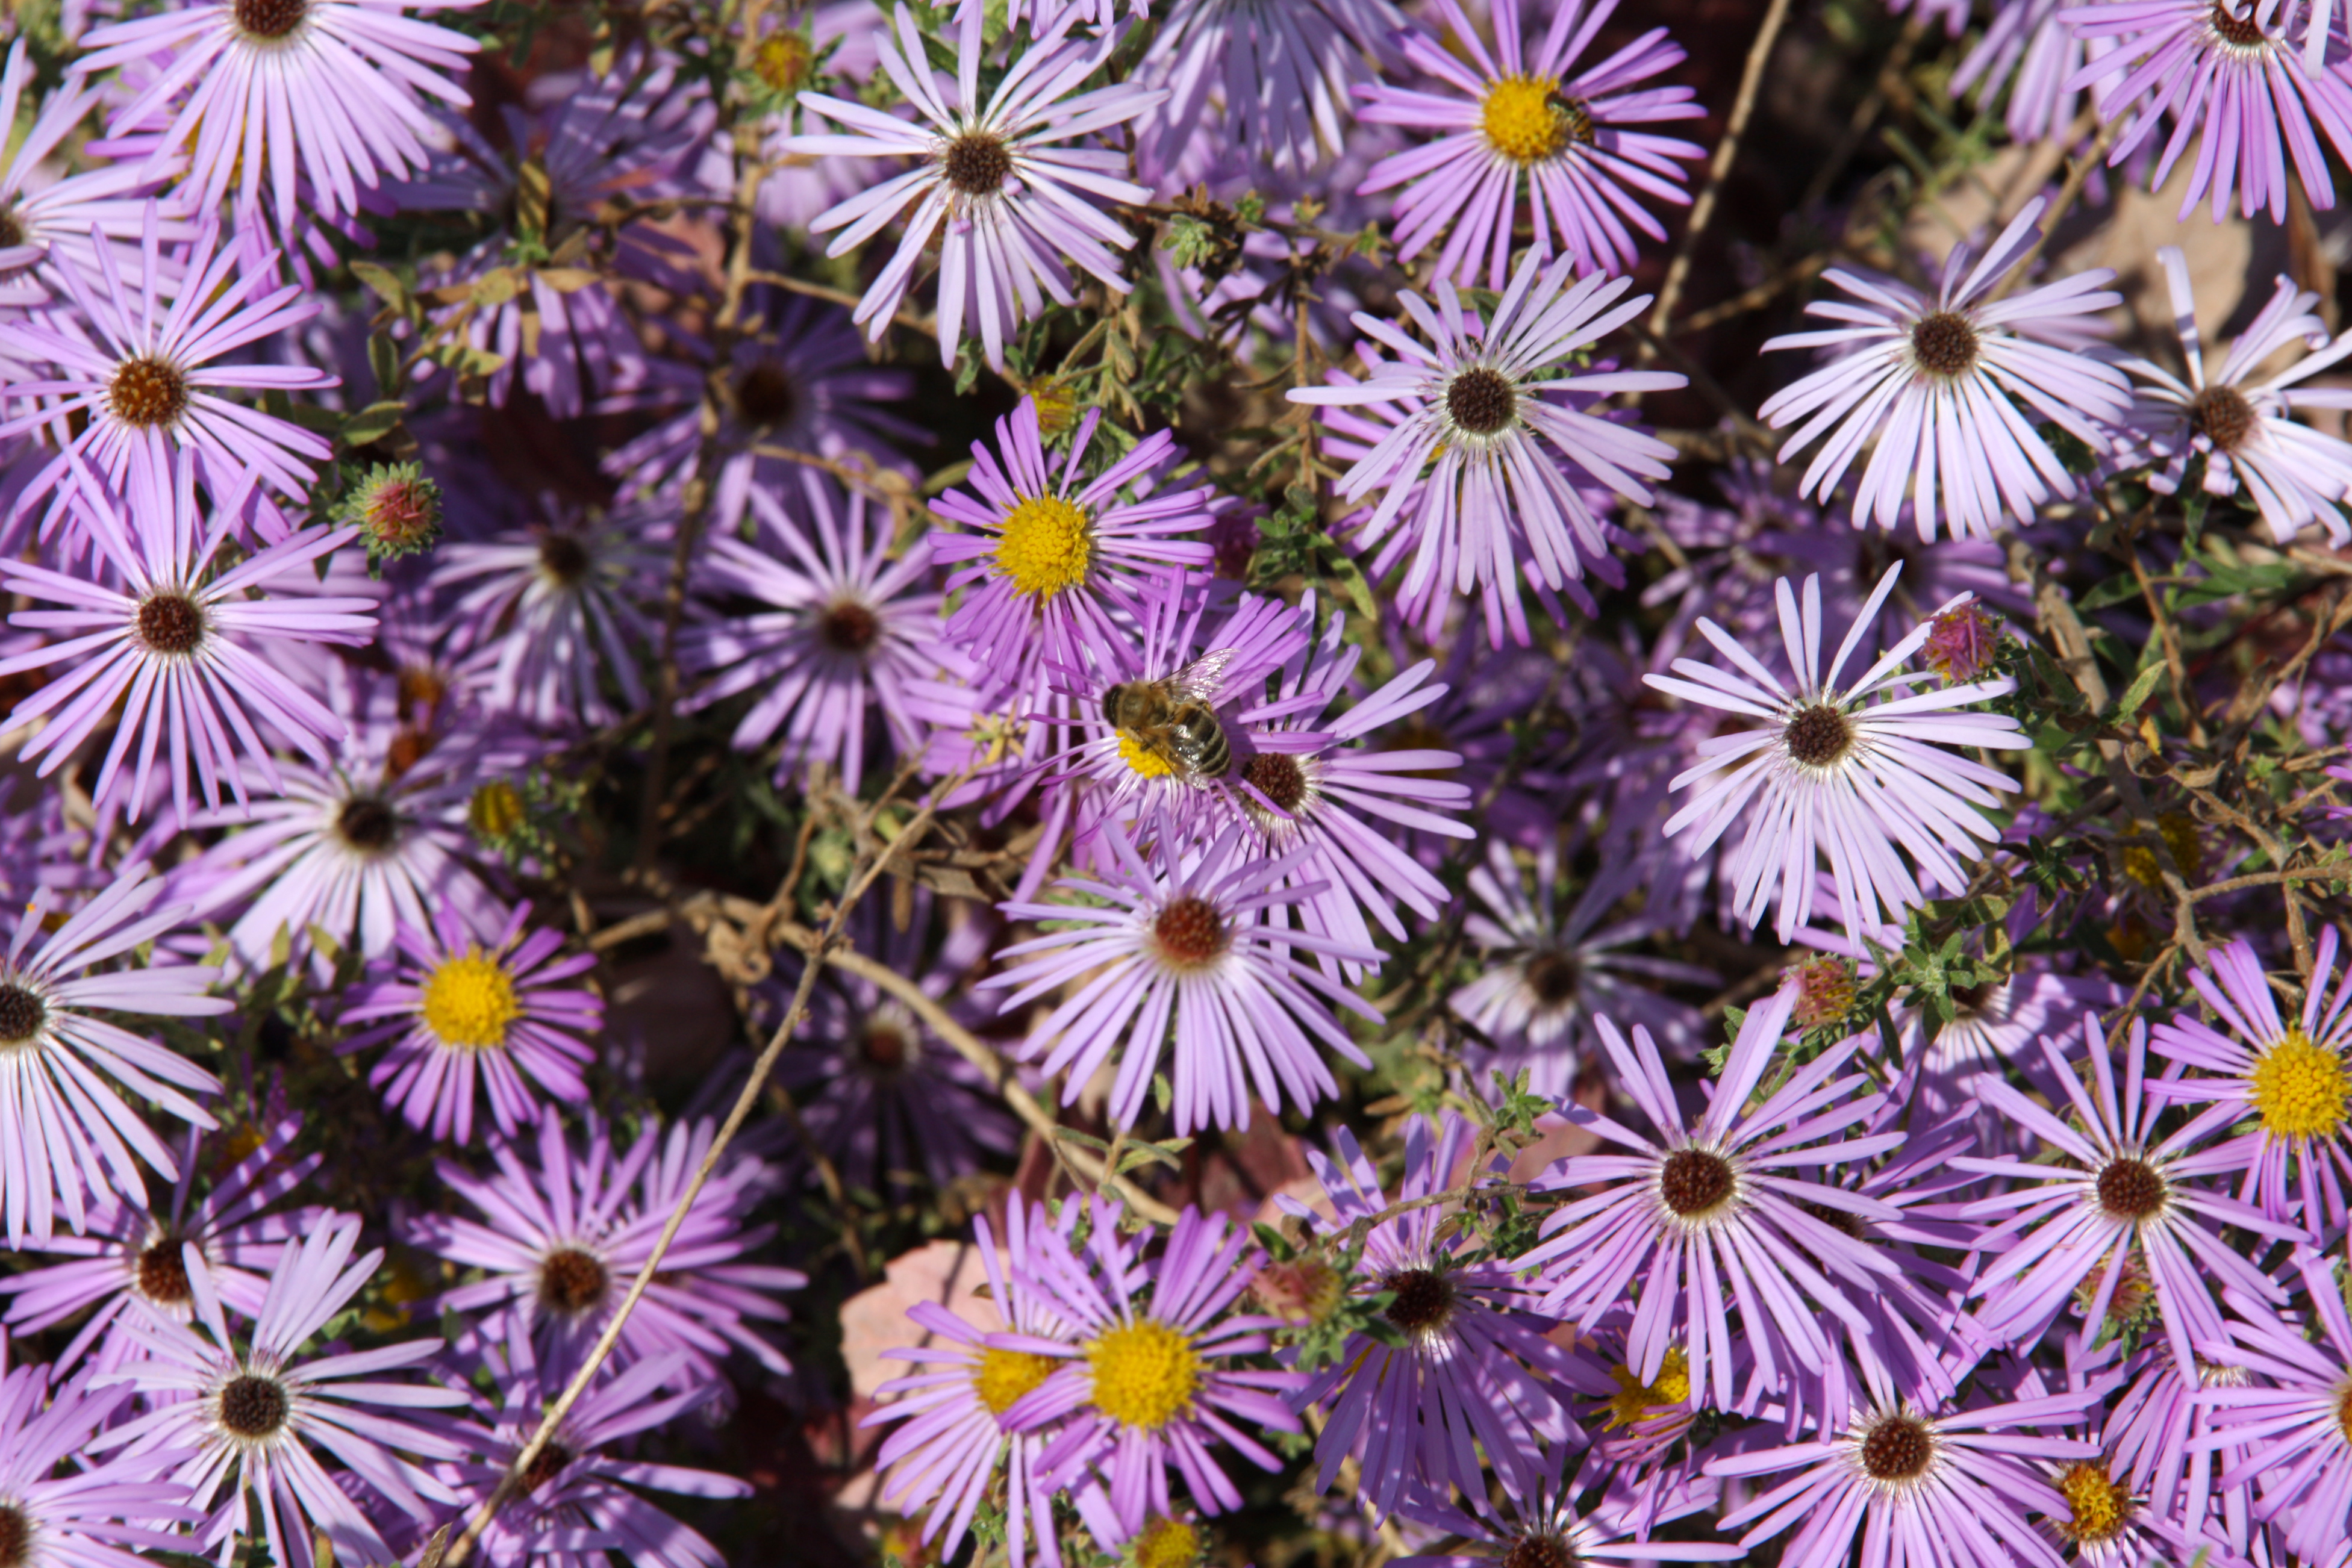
{"type": "Point", "coordinates": [70, 1135]}
{"type": "Point", "coordinates": [994, 184]}
{"type": "Point", "coordinates": [1951, 387]}
{"type": "Point", "coordinates": [2289, 1431]}
{"type": "Point", "coordinates": [1476, 465]}
{"type": "Point", "coordinates": [47, 222]}
{"type": "Point", "coordinates": [242, 1415]}
{"type": "Point", "coordinates": [1195, 938]}
{"type": "Point", "coordinates": [173, 642]}
{"type": "Point", "coordinates": [1504, 114]}
{"type": "Point", "coordinates": [1827, 770]}
{"type": "Point", "coordinates": [461, 1014]}
{"type": "Point", "coordinates": [848, 620]}
{"type": "Point", "coordinates": [59, 1507]}
{"type": "Point", "coordinates": [2241, 420]}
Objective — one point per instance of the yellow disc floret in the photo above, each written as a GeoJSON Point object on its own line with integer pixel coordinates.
{"type": "Point", "coordinates": [2299, 1088]}
{"type": "Point", "coordinates": [1636, 1401]}
{"type": "Point", "coordinates": [1141, 760]}
{"type": "Point", "coordinates": [1146, 1374]}
{"type": "Point", "coordinates": [1003, 1377]}
{"type": "Point", "coordinates": [494, 809]}
{"type": "Point", "coordinates": [1048, 545]}
{"type": "Point", "coordinates": [2096, 1507]}
{"type": "Point", "coordinates": [1167, 1543]}
{"type": "Point", "coordinates": [1525, 119]}
{"type": "Point", "coordinates": [2178, 832]}
{"type": "Point", "coordinates": [469, 1001]}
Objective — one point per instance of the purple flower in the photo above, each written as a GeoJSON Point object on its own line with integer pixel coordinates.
{"type": "Point", "coordinates": [359, 847]}
{"type": "Point", "coordinates": [1712, 1219]}
{"type": "Point", "coordinates": [991, 184]}
{"type": "Point", "coordinates": [1547, 980]}
{"type": "Point", "coordinates": [1150, 1385]}
{"type": "Point", "coordinates": [51, 222]}
{"type": "Point", "coordinates": [944, 1460]}
{"type": "Point", "coordinates": [2291, 1080]}
{"type": "Point", "coordinates": [2027, 48]}
{"type": "Point", "coordinates": [802, 385]}
{"type": "Point", "coordinates": [1049, 560]}
{"type": "Point", "coordinates": [1501, 499]}
{"type": "Point", "coordinates": [463, 1013]}
{"type": "Point", "coordinates": [883, 1095]}
{"type": "Point", "coordinates": [2122, 1194]}
{"type": "Point", "coordinates": [175, 645]}
{"type": "Point", "coordinates": [2290, 1435]}
{"type": "Point", "coordinates": [1273, 80]}
{"type": "Point", "coordinates": [1941, 383]}
{"type": "Point", "coordinates": [243, 1418]}
{"type": "Point", "coordinates": [67, 1129]}
{"type": "Point", "coordinates": [559, 605]}
{"type": "Point", "coordinates": [1544, 1527]}
{"type": "Point", "coordinates": [849, 628]}
{"type": "Point", "coordinates": [58, 1506]}
{"type": "Point", "coordinates": [573, 1506]}
{"type": "Point", "coordinates": [1826, 768]}
{"type": "Point", "coordinates": [568, 1232]}
{"type": "Point", "coordinates": [319, 88]}
{"type": "Point", "coordinates": [1196, 937]}
{"type": "Point", "coordinates": [141, 370]}
{"type": "Point", "coordinates": [1509, 115]}
{"type": "Point", "coordinates": [2234, 71]}
{"type": "Point", "coordinates": [2242, 427]}
{"type": "Point", "coordinates": [1471, 1368]}
{"type": "Point", "coordinates": [1913, 1482]}
{"type": "Point", "coordinates": [129, 1254]}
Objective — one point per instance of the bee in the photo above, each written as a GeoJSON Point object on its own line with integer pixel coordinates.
{"type": "Point", "coordinates": [1175, 718]}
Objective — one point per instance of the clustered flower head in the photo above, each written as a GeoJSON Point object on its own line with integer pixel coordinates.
{"type": "Point", "coordinates": [1142, 705]}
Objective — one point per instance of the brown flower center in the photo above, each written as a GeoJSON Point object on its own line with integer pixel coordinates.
{"type": "Point", "coordinates": [1540, 1551]}
{"type": "Point", "coordinates": [22, 1013]}
{"type": "Point", "coordinates": [846, 626]}
{"type": "Point", "coordinates": [2130, 1189]}
{"type": "Point", "coordinates": [171, 623]}
{"type": "Point", "coordinates": [1944, 344]}
{"type": "Point", "coordinates": [147, 392]}
{"type": "Point", "coordinates": [1969, 1000]}
{"type": "Point", "coordinates": [570, 1280]}
{"type": "Point", "coordinates": [1481, 402]}
{"type": "Point", "coordinates": [1552, 976]}
{"type": "Point", "coordinates": [1189, 932]}
{"type": "Point", "coordinates": [2222, 416]}
{"type": "Point", "coordinates": [1278, 777]}
{"type": "Point", "coordinates": [1897, 1449]}
{"type": "Point", "coordinates": [977, 163]}
{"type": "Point", "coordinates": [2244, 31]}
{"type": "Point", "coordinates": [252, 1406]}
{"type": "Point", "coordinates": [765, 396]}
{"type": "Point", "coordinates": [269, 19]}
{"type": "Point", "coordinates": [11, 233]}
{"type": "Point", "coordinates": [1818, 736]}
{"type": "Point", "coordinates": [16, 1538]}
{"type": "Point", "coordinates": [1694, 1181]}
{"type": "Point", "coordinates": [884, 1046]}
{"type": "Point", "coordinates": [163, 1273]}
{"type": "Point", "coordinates": [1424, 1300]}
{"type": "Point", "coordinates": [562, 556]}
{"type": "Point", "coordinates": [367, 823]}
{"type": "Point", "coordinates": [545, 1466]}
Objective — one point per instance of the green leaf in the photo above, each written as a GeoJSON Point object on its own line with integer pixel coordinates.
{"type": "Point", "coordinates": [1071, 1135]}
{"type": "Point", "coordinates": [373, 423]}
{"type": "Point", "coordinates": [2138, 692]}
{"type": "Point", "coordinates": [383, 283]}
{"type": "Point", "coordinates": [2114, 591]}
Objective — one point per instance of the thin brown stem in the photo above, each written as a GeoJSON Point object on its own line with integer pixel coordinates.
{"type": "Point", "coordinates": [1727, 151]}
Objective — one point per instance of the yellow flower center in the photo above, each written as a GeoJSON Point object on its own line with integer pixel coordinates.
{"type": "Point", "coordinates": [1146, 1374]}
{"type": "Point", "coordinates": [1143, 762]}
{"type": "Point", "coordinates": [1168, 1543]}
{"type": "Point", "coordinates": [1003, 1377]}
{"type": "Point", "coordinates": [1047, 546]}
{"type": "Point", "coordinates": [2096, 1507]}
{"type": "Point", "coordinates": [470, 1001]}
{"type": "Point", "coordinates": [1057, 402]}
{"type": "Point", "coordinates": [1635, 1400]}
{"type": "Point", "coordinates": [495, 809]}
{"type": "Point", "coordinates": [2299, 1088]}
{"type": "Point", "coordinates": [1528, 121]}
{"type": "Point", "coordinates": [2178, 832]}
{"type": "Point", "coordinates": [781, 61]}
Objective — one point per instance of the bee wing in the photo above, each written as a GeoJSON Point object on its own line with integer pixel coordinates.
{"type": "Point", "coordinates": [1203, 679]}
